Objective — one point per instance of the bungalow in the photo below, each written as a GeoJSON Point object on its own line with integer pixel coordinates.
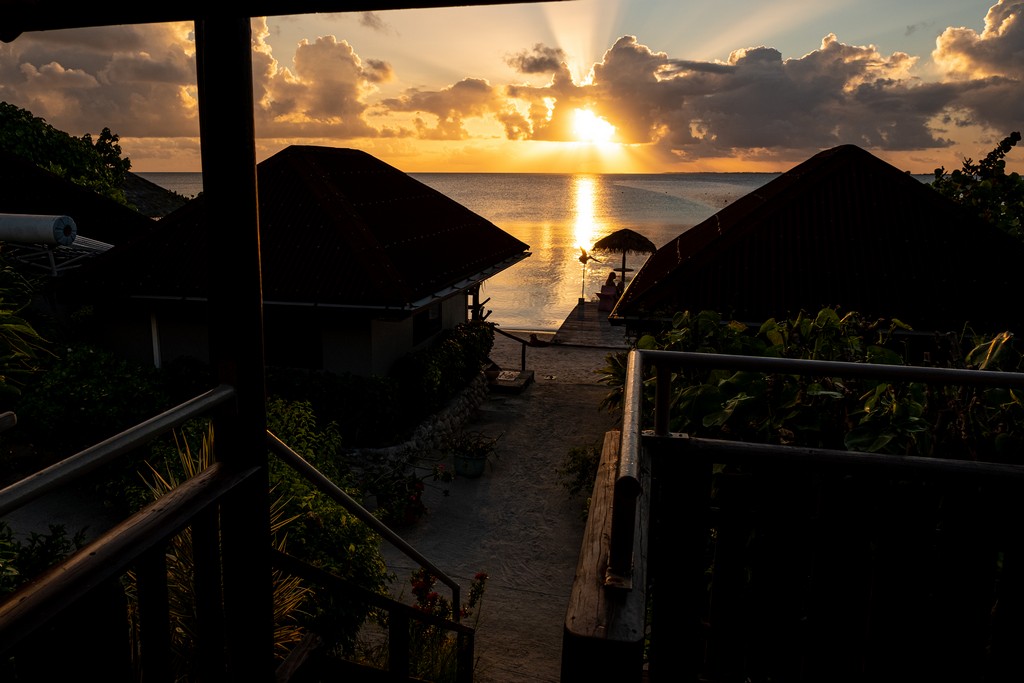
{"type": "Point", "coordinates": [843, 229]}
{"type": "Point", "coordinates": [361, 264]}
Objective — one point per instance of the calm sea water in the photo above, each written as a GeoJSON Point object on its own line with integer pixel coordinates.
{"type": "Point", "coordinates": [556, 214]}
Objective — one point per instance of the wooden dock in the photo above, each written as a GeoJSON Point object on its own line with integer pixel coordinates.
{"type": "Point", "coordinates": [587, 326]}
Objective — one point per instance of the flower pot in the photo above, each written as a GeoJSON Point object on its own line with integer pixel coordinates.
{"type": "Point", "coordinates": [468, 467]}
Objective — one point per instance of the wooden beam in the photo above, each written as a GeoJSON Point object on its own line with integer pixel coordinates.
{"type": "Point", "coordinates": [23, 16]}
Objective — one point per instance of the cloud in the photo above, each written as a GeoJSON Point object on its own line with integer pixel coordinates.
{"type": "Point", "coordinates": [988, 67]}
{"type": "Point", "coordinates": [136, 80]}
{"type": "Point", "coordinates": [756, 101]}
{"type": "Point", "coordinates": [451, 106]}
{"type": "Point", "coordinates": [373, 20]}
{"type": "Point", "coordinates": [324, 94]}
{"type": "Point", "coordinates": [997, 51]}
{"type": "Point", "coordinates": [140, 82]}
{"type": "Point", "coordinates": [540, 60]}
{"type": "Point", "coordinates": [911, 29]}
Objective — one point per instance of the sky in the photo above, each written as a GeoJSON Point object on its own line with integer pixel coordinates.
{"type": "Point", "coordinates": [595, 86]}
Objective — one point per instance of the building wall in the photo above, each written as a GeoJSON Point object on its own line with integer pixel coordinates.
{"type": "Point", "coordinates": [304, 337]}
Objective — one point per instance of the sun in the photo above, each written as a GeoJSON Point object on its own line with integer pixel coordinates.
{"type": "Point", "coordinates": [589, 127]}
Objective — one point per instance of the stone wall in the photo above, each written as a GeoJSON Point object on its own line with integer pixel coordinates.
{"type": "Point", "coordinates": [435, 430]}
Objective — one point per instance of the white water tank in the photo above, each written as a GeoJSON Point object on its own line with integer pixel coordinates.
{"type": "Point", "coordinates": [33, 229]}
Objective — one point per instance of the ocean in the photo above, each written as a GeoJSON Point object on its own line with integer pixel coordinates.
{"type": "Point", "coordinates": [556, 214]}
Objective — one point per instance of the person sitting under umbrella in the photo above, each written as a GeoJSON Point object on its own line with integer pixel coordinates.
{"type": "Point", "coordinates": [609, 294]}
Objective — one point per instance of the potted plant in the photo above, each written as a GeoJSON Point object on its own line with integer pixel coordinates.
{"type": "Point", "coordinates": [470, 452]}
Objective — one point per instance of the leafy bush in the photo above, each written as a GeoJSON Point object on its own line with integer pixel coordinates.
{"type": "Point", "coordinates": [97, 165]}
{"type": "Point", "coordinates": [909, 418]}
{"type": "Point", "coordinates": [323, 533]}
{"type": "Point", "coordinates": [428, 379]}
{"type": "Point", "coordinates": [987, 189]}
{"type": "Point", "coordinates": [21, 561]}
{"type": "Point", "coordinates": [365, 410]}
{"type": "Point", "coordinates": [87, 395]}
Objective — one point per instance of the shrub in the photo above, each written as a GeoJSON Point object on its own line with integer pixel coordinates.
{"type": "Point", "coordinates": [910, 418]}
{"type": "Point", "coordinates": [88, 395]}
{"type": "Point", "coordinates": [323, 533]}
{"type": "Point", "coordinates": [579, 471]}
{"type": "Point", "coordinates": [426, 380]}
{"type": "Point", "coordinates": [289, 594]}
{"type": "Point", "coordinates": [20, 561]}
{"type": "Point", "coordinates": [364, 409]}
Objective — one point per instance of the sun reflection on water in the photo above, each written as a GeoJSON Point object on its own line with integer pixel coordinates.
{"type": "Point", "coordinates": [584, 191]}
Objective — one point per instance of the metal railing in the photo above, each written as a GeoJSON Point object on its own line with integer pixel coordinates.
{"type": "Point", "coordinates": [627, 483]}
{"type": "Point", "coordinates": [674, 514]}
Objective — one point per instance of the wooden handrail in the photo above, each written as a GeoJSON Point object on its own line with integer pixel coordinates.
{"type": "Point", "coordinates": [73, 467]}
{"type": "Point", "coordinates": [112, 553]}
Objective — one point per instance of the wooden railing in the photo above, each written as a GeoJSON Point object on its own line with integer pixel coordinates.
{"type": "Point", "coordinates": [74, 617]}
{"type": "Point", "coordinates": [710, 560]}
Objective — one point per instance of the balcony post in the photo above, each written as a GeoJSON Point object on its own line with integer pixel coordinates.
{"type": "Point", "coordinates": [224, 77]}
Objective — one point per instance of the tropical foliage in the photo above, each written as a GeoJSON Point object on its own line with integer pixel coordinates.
{"type": "Point", "coordinates": [909, 418]}
{"type": "Point", "coordinates": [289, 595]}
{"type": "Point", "coordinates": [986, 187]}
{"type": "Point", "coordinates": [21, 560]}
{"type": "Point", "coordinates": [91, 394]}
{"type": "Point", "coordinates": [428, 379]}
{"type": "Point", "coordinates": [97, 165]}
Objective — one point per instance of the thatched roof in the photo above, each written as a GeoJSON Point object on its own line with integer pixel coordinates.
{"type": "Point", "coordinates": [842, 229]}
{"type": "Point", "coordinates": [338, 228]}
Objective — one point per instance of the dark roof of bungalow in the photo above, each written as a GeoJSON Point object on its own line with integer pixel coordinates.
{"type": "Point", "coordinates": [29, 189]}
{"type": "Point", "coordinates": [150, 199]}
{"type": "Point", "coordinates": [843, 229]}
{"type": "Point", "coordinates": [338, 227]}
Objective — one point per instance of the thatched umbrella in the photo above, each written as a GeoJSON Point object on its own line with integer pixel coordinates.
{"type": "Point", "coordinates": [628, 242]}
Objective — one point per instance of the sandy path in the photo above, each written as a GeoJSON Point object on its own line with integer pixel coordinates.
{"type": "Point", "coordinates": [517, 522]}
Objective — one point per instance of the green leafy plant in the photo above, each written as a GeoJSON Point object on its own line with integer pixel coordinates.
{"type": "Point", "coordinates": [470, 451]}
{"type": "Point", "coordinates": [92, 394]}
{"type": "Point", "coordinates": [434, 650]}
{"type": "Point", "coordinates": [836, 412]}
{"type": "Point", "coordinates": [987, 189]}
{"type": "Point", "coordinates": [323, 533]}
{"type": "Point", "coordinates": [428, 379]}
{"type": "Point", "coordinates": [398, 486]}
{"type": "Point", "coordinates": [289, 594]}
{"type": "Point", "coordinates": [20, 561]}
{"type": "Point", "coordinates": [578, 472]}
{"type": "Point", "coordinates": [97, 165]}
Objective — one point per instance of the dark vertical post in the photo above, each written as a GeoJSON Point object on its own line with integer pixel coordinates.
{"type": "Point", "coordinates": [209, 597]}
{"type": "Point", "coordinates": [224, 65]}
{"type": "Point", "coordinates": [154, 616]}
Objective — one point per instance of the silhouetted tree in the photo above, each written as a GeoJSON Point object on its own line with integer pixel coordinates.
{"type": "Point", "coordinates": [97, 165]}
{"type": "Point", "coordinates": [985, 187]}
